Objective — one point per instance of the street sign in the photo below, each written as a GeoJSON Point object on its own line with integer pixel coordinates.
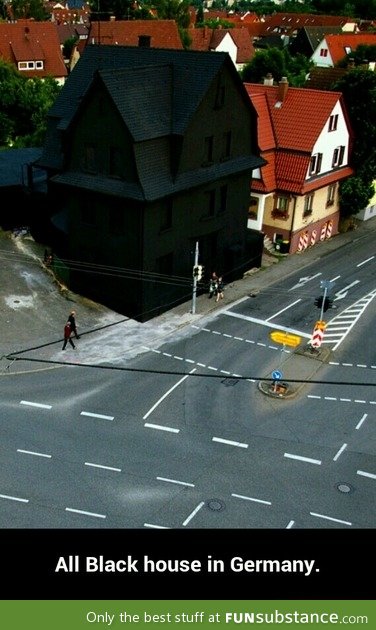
{"type": "Point", "coordinates": [277, 375]}
{"type": "Point", "coordinates": [287, 339]}
{"type": "Point", "coordinates": [317, 337]}
{"type": "Point", "coordinates": [320, 325]}
{"type": "Point", "coordinates": [327, 284]}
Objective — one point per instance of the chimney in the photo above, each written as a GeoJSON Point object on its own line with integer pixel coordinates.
{"type": "Point", "coordinates": [268, 80]}
{"type": "Point", "coordinates": [283, 86]}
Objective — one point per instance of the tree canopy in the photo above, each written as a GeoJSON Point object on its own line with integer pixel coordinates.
{"type": "Point", "coordinates": [359, 91]}
{"type": "Point", "coordinates": [26, 9]}
{"type": "Point", "coordinates": [24, 104]}
{"type": "Point", "coordinates": [279, 63]}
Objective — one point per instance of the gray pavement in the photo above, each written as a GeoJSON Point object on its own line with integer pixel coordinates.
{"type": "Point", "coordinates": [34, 306]}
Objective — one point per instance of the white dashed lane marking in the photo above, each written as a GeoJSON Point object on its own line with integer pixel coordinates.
{"type": "Point", "coordinates": [34, 404]}
{"type": "Point", "coordinates": [351, 400]}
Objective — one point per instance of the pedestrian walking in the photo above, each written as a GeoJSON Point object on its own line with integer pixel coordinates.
{"type": "Point", "coordinates": [72, 321]}
{"type": "Point", "coordinates": [219, 291]}
{"type": "Point", "coordinates": [213, 284]}
{"type": "Point", "coordinates": [67, 336]}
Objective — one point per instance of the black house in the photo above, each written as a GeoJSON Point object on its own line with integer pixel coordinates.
{"type": "Point", "coordinates": [147, 152]}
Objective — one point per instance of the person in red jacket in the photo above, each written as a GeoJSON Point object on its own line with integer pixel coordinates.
{"type": "Point", "coordinates": [67, 336]}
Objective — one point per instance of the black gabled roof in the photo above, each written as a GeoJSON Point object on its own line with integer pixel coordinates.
{"type": "Point", "coordinates": [143, 98]}
{"type": "Point", "coordinates": [189, 77]}
{"type": "Point", "coordinates": [193, 72]}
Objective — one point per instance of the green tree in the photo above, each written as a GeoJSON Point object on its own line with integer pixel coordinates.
{"type": "Point", "coordinates": [279, 63]}
{"type": "Point", "coordinates": [214, 23]}
{"type": "Point", "coordinates": [24, 104]}
{"type": "Point", "coordinates": [177, 10]}
{"type": "Point", "coordinates": [26, 9]}
{"type": "Point", "coordinates": [68, 46]}
{"type": "Point", "coordinates": [354, 195]}
{"type": "Point", "coordinates": [359, 91]}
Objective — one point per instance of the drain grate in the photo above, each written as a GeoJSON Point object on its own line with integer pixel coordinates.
{"type": "Point", "coordinates": [216, 505]}
{"type": "Point", "coordinates": [230, 382]}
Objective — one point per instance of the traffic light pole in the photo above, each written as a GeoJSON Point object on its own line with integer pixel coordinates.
{"type": "Point", "coordinates": [194, 294]}
{"type": "Point", "coordinates": [323, 303]}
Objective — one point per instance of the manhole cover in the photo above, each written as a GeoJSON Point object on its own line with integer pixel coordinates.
{"type": "Point", "coordinates": [216, 505]}
{"type": "Point", "coordinates": [344, 487]}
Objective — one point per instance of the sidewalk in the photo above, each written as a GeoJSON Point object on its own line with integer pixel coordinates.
{"type": "Point", "coordinates": [34, 307]}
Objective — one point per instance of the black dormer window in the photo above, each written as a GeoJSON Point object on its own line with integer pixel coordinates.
{"type": "Point", "coordinates": [144, 41]}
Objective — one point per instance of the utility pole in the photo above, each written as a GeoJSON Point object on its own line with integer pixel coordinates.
{"type": "Point", "coordinates": [195, 265]}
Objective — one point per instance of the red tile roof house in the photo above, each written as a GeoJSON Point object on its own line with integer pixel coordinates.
{"type": "Point", "coordinates": [333, 48]}
{"type": "Point", "coordinates": [33, 48]}
{"type": "Point", "coordinates": [235, 41]}
{"type": "Point", "coordinates": [145, 33]}
{"type": "Point", "coordinates": [306, 138]}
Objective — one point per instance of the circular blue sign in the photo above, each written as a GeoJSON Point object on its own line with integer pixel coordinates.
{"type": "Point", "coordinates": [277, 375]}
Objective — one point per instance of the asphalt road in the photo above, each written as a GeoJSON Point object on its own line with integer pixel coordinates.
{"type": "Point", "coordinates": [164, 448]}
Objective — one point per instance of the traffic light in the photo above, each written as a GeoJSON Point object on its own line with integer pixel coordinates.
{"type": "Point", "coordinates": [328, 303]}
{"type": "Point", "coordinates": [198, 271]}
{"type": "Point", "coordinates": [319, 301]}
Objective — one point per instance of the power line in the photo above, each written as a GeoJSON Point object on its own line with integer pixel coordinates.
{"type": "Point", "coordinates": [181, 373]}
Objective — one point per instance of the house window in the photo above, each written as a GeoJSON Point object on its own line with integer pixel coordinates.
{"type": "Point", "coordinates": [308, 203]}
{"type": "Point", "coordinates": [89, 158]}
{"type": "Point", "coordinates": [116, 221]}
{"type": "Point", "coordinates": [115, 162]}
{"type": "Point", "coordinates": [144, 41]}
{"type": "Point", "coordinates": [338, 155]}
{"type": "Point", "coordinates": [333, 120]}
{"type": "Point", "coordinates": [165, 264]}
{"type": "Point", "coordinates": [253, 208]}
{"type": "Point", "coordinates": [166, 216]}
{"type": "Point", "coordinates": [227, 138]}
{"type": "Point", "coordinates": [39, 65]}
{"type": "Point", "coordinates": [223, 198]}
{"type": "Point", "coordinates": [315, 164]}
{"type": "Point", "coordinates": [323, 52]}
{"type": "Point", "coordinates": [281, 207]}
{"type": "Point", "coordinates": [209, 144]}
{"type": "Point", "coordinates": [331, 195]}
{"type": "Point", "coordinates": [26, 65]}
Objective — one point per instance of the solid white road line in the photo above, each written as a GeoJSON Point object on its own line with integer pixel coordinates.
{"type": "Point", "coordinates": [303, 459]}
{"type": "Point", "coordinates": [96, 415]}
{"type": "Point", "coordinates": [34, 404]}
{"type": "Point", "coordinates": [240, 496]}
{"type": "Point", "coordinates": [365, 474]}
{"type": "Point", "coordinates": [283, 310]}
{"type": "Point", "coordinates": [330, 518]}
{"type": "Point", "coordinates": [240, 444]}
{"type": "Point", "coordinates": [336, 456]}
{"type": "Point", "coordinates": [20, 450]}
{"type": "Point", "coordinates": [167, 393]}
{"type": "Point", "coordinates": [200, 505]}
{"type": "Point", "coordinates": [100, 466]}
{"type": "Point", "coordinates": [6, 496]}
{"type": "Point", "coordinates": [361, 421]}
{"type": "Point", "coordinates": [263, 322]}
{"type": "Point", "coordinates": [84, 512]}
